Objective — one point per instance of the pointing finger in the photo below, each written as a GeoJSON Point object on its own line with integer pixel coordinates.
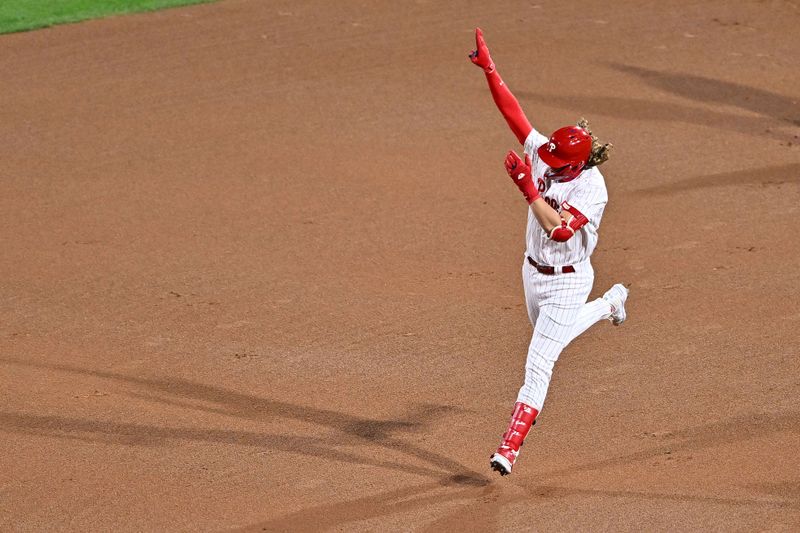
{"type": "Point", "coordinates": [479, 38]}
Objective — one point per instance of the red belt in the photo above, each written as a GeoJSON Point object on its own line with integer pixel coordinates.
{"type": "Point", "coordinates": [568, 269]}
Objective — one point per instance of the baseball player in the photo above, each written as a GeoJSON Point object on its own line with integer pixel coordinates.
{"type": "Point", "coordinates": [566, 195]}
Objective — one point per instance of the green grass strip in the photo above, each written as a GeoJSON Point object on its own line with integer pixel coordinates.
{"type": "Point", "coordinates": [23, 15]}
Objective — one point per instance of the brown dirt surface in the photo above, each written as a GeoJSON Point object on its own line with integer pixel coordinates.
{"type": "Point", "coordinates": [260, 269]}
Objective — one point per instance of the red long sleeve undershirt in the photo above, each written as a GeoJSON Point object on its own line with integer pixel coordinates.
{"type": "Point", "coordinates": [508, 106]}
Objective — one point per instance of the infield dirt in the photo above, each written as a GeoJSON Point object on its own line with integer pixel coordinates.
{"type": "Point", "coordinates": [260, 269]}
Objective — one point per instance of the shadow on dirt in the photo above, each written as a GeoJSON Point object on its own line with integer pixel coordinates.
{"type": "Point", "coordinates": [730, 431]}
{"type": "Point", "coordinates": [473, 500]}
{"type": "Point", "coordinates": [788, 490]}
{"type": "Point", "coordinates": [707, 90]}
{"type": "Point", "coordinates": [635, 109]}
{"type": "Point", "coordinates": [775, 110]}
{"type": "Point", "coordinates": [336, 515]}
{"type": "Point", "coordinates": [353, 430]}
{"type": "Point", "coordinates": [486, 506]}
{"type": "Point", "coordinates": [480, 508]}
{"type": "Point", "coordinates": [766, 176]}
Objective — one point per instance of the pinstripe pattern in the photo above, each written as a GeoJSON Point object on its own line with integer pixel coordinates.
{"type": "Point", "coordinates": [557, 304]}
{"type": "Point", "coordinates": [586, 193]}
{"type": "Point", "coordinates": [559, 312]}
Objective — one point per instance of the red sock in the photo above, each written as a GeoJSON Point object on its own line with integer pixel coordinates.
{"type": "Point", "coordinates": [522, 419]}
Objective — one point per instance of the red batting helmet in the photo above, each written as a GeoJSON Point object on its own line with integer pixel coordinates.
{"type": "Point", "coordinates": [567, 151]}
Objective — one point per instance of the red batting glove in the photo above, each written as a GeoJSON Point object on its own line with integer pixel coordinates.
{"type": "Point", "coordinates": [520, 173]}
{"type": "Point", "coordinates": [480, 56]}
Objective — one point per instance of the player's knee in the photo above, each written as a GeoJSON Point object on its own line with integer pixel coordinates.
{"type": "Point", "coordinates": [538, 373]}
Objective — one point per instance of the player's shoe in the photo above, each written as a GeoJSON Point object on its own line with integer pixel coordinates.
{"type": "Point", "coordinates": [523, 417]}
{"type": "Point", "coordinates": [501, 463]}
{"type": "Point", "coordinates": [616, 296]}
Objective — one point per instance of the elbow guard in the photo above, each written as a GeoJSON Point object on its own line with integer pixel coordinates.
{"type": "Point", "coordinates": [566, 230]}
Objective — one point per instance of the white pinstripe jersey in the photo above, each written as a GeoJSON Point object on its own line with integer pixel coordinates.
{"type": "Point", "coordinates": [586, 193]}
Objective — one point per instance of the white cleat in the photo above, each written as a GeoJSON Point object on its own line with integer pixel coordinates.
{"type": "Point", "coordinates": [500, 464]}
{"type": "Point", "coordinates": [616, 296]}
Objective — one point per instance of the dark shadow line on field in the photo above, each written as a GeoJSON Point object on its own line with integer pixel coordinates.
{"type": "Point", "coordinates": [705, 90]}
{"type": "Point", "coordinates": [650, 110]}
{"type": "Point", "coordinates": [478, 508]}
{"type": "Point", "coordinates": [333, 515]}
{"type": "Point", "coordinates": [354, 430]}
{"type": "Point", "coordinates": [247, 406]}
{"type": "Point", "coordinates": [484, 511]}
{"type": "Point", "coordinates": [555, 491]}
{"type": "Point", "coordinates": [785, 489]}
{"type": "Point", "coordinates": [653, 111]}
{"type": "Point", "coordinates": [657, 496]}
{"type": "Point", "coordinates": [765, 176]}
{"type": "Point", "coordinates": [148, 435]}
{"type": "Point", "coordinates": [725, 432]}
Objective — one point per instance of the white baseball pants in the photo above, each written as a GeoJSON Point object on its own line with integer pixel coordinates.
{"type": "Point", "coordinates": [559, 312]}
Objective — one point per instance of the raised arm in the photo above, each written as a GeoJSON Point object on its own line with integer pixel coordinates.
{"type": "Point", "coordinates": [506, 102]}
